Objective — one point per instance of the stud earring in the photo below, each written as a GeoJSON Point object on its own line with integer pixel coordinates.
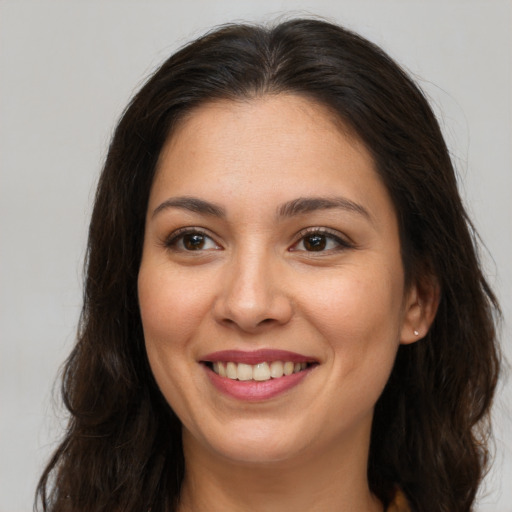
{"type": "Point", "coordinates": [416, 333]}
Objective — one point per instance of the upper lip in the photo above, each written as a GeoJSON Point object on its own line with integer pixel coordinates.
{"type": "Point", "coordinates": [256, 356]}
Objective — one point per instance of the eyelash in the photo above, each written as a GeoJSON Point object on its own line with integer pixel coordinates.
{"type": "Point", "coordinates": [327, 235]}
{"type": "Point", "coordinates": [178, 236]}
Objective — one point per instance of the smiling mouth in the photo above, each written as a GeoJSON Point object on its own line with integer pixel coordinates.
{"type": "Point", "coordinates": [259, 372]}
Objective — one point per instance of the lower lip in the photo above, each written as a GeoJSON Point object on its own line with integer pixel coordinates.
{"type": "Point", "coordinates": [256, 391]}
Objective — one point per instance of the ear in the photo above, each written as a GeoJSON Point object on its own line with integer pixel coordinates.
{"type": "Point", "coordinates": [420, 308]}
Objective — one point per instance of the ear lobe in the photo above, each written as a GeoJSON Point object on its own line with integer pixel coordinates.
{"type": "Point", "coordinates": [420, 310]}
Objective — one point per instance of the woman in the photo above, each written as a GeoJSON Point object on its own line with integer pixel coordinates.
{"type": "Point", "coordinates": [284, 308]}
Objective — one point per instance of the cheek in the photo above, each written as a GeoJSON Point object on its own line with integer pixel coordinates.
{"type": "Point", "coordinates": [171, 305]}
{"type": "Point", "coordinates": [359, 303]}
{"type": "Point", "coordinates": [170, 316]}
{"type": "Point", "coordinates": [359, 315]}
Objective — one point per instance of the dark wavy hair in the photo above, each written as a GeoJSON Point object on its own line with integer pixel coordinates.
{"type": "Point", "coordinates": [122, 449]}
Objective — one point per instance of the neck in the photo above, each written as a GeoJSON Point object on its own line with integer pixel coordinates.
{"type": "Point", "coordinates": [333, 482]}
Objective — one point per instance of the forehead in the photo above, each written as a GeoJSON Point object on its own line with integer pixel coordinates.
{"type": "Point", "coordinates": [283, 106]}
{"type": "Point", "coordinates": [257, 132]}
{"type": "Point", "coordinates": [275, 147]}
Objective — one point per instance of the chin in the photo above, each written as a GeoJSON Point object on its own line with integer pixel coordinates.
{"type": "Point", "coordinates": [254, 444]}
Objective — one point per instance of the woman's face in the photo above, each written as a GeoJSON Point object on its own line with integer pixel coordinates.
{"type": "Point", "coordinates": [271, 287]}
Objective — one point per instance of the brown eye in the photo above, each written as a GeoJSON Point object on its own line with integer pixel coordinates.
{"type": "Point", "coordinates": [194, 241]}
{"type": "Point", "coordinates": [315, 242]}
{"type": "Point", "coordinates": [320, 240]}
{"type": "Point", "coordinates": [191, 240]}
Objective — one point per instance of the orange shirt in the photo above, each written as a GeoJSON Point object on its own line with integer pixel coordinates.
{"type": "Point", "coordinates": [399, 503]}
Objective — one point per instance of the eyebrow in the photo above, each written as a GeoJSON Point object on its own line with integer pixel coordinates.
{"type": "Point", "coordinates": [299, 206]}
{"type": "Point", "coordinates": [304, 205]}
{"type": "Point", "coordinates": [192, 204]}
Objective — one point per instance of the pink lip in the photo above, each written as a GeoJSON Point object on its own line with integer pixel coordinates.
{"type": "Point", "coordinates": [253, 391]}
{"type": "Point", "coordinates": [256, 356]}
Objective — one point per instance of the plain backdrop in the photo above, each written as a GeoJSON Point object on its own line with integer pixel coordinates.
{"type": "Point", "coordinates": [67, 69]}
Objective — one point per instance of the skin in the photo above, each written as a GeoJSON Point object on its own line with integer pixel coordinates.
{"type": "Point", "coordinates": [255, 283]}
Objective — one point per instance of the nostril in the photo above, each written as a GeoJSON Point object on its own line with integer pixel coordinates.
{"type": "Point", "coordinates": [257, 324]}
{"type": "Point", "coordinates": [251, 314]}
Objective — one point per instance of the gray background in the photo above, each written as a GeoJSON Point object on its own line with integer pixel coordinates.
{"type": "Point", "coordinates": [67, 70]}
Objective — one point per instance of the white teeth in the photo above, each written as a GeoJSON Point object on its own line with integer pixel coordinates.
{"type": "Point", "coordinates": [259, 372]}
{"type": "Point", "coordinates": [276, 369]}
{"type": "Point", "coordinates": [244, 371]}
{"type": "Point", "coordinates": [231, 372]}
{"type": "Point", "coordinates": [288, 368]}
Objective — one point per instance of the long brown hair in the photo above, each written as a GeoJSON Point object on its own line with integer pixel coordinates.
{"type": "Point", "coordinates": [122, 449]}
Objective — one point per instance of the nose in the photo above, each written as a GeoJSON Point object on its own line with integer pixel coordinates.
{"type": "Point", "coordinates": [253, 294]}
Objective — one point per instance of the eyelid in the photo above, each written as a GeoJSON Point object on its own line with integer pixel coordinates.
{"type": "Point", "coordinates": [170, 241]}
{"type": "Point", "coordinates": [344, 242]}
{"type": "Point", "coordinates": [341, 239]}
